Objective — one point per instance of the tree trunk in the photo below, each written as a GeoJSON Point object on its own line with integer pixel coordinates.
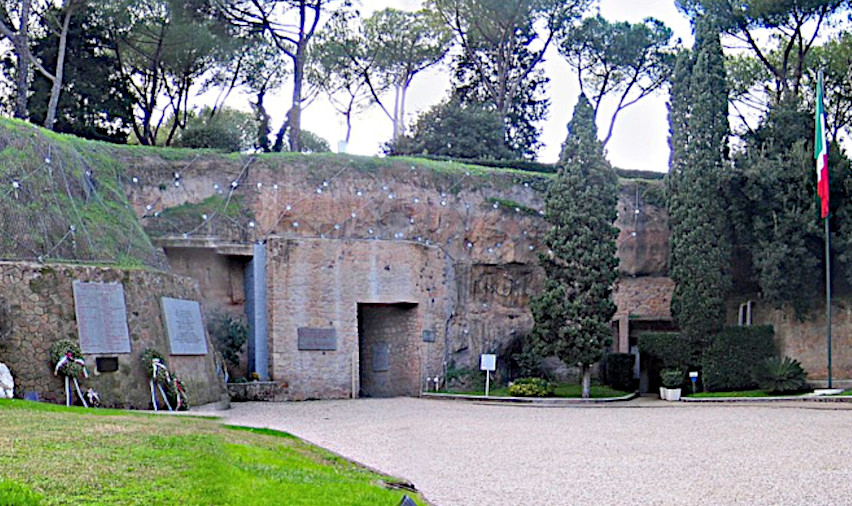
{"type": "Point", "coordinates": [22, 56]}
{"type": "Point", "coordinates": [294, 116]}
{"type": "Point", "coordinates": [58, 74]}
{"type": "Point", "coordinates": [587, 381]}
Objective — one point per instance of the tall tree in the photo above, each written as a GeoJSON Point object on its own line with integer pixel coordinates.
{"type": "Point", "coordinates": [403, 44]}
{"type": "Point", "coordinates": [335, 68]}
{"type": "Point", "coordinates": [700, 242]}
{"type": "Point", "coordinates": [163, 47]}
{"type": "Point", "coordinates": [573, 315]}
{"type": "Point", "coordinates": [795, 26]}
{"type": "Point", "coordinates": [503, 43]}
{"type": "Point", "coordinates": [290, 25]}
{"type": "Point", "coordinates": [96, 102]}
{"type": "Point", "coordinates": [15, 20]}
{"type": "Point", "coordinates": [617, 59]}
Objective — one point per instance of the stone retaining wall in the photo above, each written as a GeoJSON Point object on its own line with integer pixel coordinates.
{"type": "Point", "coordinates": [37, 309]}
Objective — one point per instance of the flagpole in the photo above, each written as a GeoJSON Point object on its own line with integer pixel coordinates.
{"type": "Point", "coordinates": [821, 156]}
{"type": "Point", "coordinates": [828, 298]}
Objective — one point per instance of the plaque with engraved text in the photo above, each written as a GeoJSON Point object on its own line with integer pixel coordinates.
{"type": "Point", "coordinates": [101, 317]}
{"type": "Point", "coordinates": [311, 339]}
{"type": "Point", "coordinates": [184, 326]}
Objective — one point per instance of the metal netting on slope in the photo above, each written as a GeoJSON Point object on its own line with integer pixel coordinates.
{"type": "Point", "coordinates": [60, 200]}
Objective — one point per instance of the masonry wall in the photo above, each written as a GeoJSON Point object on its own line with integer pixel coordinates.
{"type": "Point", "coordinates": [37, 309]}
{"type": "Point", "coordinates": [318, 283]}
{"type": "Point", "coordinates": [388, 343]}
{"type": "Point", "coordinates": [805, 340]}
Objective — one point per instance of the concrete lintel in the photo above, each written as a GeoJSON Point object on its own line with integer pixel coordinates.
{"type": "Point", "coordinates": [206, 242]}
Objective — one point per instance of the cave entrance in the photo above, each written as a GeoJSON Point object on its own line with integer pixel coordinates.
{"type": "Point", "coordinates": [387, 349]}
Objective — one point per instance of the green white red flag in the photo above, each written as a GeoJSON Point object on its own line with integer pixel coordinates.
{"type": "Point", "coordinates": [821, 152]}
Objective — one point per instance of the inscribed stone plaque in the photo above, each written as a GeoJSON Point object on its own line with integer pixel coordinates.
{"type": "Point", "coordinates": [184, 326]}
{"type": "Point", "coordinates": [101, 317]}
{"type": "Point", "coordinates": [311, 339]}
{"type": "Point", "coordinates": [381, 357]}
{"type": "Point", "coordinates": [428, 336]}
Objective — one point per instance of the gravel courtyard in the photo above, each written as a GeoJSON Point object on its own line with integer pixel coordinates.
{"type": "Point", "coordinates": [640, 452]}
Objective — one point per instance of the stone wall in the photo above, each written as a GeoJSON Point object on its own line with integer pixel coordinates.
{"type": "Point", "coordinates": [805, 340]}
{"type": "Point", "coordinates": [319, 283]}
{"type": "Point", "coordinates": [38, 303]}
{"type": "Point", "coordinates": [389, 336]}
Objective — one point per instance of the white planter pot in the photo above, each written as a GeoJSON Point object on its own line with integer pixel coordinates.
{"type": "Point", "coordinates": [663, 393]}
{"type": "Point", "coordinates": [673, 394]}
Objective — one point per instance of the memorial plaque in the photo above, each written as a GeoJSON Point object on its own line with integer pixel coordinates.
{"type": "Point", "coordinates": [101, 317]}
{"type": "Point", "coordinates": [184, 326]}
{"type": "Point", "coordinates": [428, 336]}
{"type": "Point", "coordinates": [106, 364]}
{"type": "Point", "coordinates": [381, 357]}
{"type": "Point", "coordinates": [311, 339]}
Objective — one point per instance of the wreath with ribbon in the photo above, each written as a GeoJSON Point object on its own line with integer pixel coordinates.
{"type": "Point", "coordinates": [68, 359]}
{"type": "Point", "coordinates": [166, 382]}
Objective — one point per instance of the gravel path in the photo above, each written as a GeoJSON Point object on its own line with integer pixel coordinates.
{"type": "Point", "coordinates": [641, 452]}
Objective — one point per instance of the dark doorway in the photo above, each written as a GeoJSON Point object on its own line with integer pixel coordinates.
{"type": "Point", "coordinates": [387, 350]}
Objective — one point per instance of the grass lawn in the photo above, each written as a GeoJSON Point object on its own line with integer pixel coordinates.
{"type": "Point", "coordinates": [744, 393]}
{"type": "Point", "coordinates": [569, 390]}
{"type": "Point", "coordinates": [56, 455]}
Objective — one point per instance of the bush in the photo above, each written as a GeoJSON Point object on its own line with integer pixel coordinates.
{"type": "Point", "coordinates": [229, 335]}
{"type": "Point", "coordinates": [618, 371]}
{"type": "Point", "coordinates": [669, 348]}
{"type": "Point", "coordinates": [672, 378]}
{"type": "Point", "coordinates": [530, 387]}
{"type": "Point", "coordinates": [781, 376]}
{"type": "Point", "coordinates": [730, 360]}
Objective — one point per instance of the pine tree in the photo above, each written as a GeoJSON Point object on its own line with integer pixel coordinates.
{"type": "Point", "coordinates": [700, 242]}
{"type": "Point", "coordinates": [573, 315]}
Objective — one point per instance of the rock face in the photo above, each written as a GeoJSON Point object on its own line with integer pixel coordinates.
{"type": "Point", "coordinates": [7, 384]}
{"type": "Point", "coordinates": [481, 230]}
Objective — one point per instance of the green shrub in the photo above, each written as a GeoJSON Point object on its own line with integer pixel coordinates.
{"type": "Point", "coordinates": [668, 348]}
{"type": "Point", "coordinates": [229, 336]}
{"type": "Point", "coordinates": [618, 371]}
{"type": "Point", "coordinates": [672, 378]}
{"type": "Point", "coordinates": [781, 376]}
{"type": "Point", "coordinates": [18, 494]}
{"type": "Point", "coordinates": [465, 379]}
{"type": "Point", "coordinates": [530, 387]}
{"type": "Point", "coordinates": [730, 360]}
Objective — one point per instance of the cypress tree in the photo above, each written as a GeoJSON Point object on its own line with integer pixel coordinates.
{"type": "Point", "coordinates": [700, 242]}
{"type": "Point", "coordinates": [573, 315]}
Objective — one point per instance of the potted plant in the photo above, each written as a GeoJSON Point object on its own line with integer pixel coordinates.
{"type": "Point", "coordinates": [672, 380]}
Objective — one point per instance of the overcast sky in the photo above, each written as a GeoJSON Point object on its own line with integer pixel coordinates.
{"type": "Point", "coordinates": [639, 141]}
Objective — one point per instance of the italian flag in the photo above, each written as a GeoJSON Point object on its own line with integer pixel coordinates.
{"type": "Point", "coordinates": [821, 153]}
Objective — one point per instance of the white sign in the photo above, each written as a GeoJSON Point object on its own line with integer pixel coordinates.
{"type": "Point", "coordinates": [488, 363]}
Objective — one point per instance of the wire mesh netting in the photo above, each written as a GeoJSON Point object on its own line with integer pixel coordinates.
{"type": "Point", "coordinates": [61, 200]}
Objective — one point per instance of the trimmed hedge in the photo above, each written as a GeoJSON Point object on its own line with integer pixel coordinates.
{"type": "Point", "coordinates": [730, 362]}
{"type": "Point", "coordinates": [618, 371]}
{"type": "Point", "coordinates": [668, 348]}
{"type": "Point", "coordinates": [541, 168]}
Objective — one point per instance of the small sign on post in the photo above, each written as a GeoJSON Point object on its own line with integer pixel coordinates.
{"type": "Point", "coordinates": [487, 363]}
{"type": "Point", "coordinates": [693, 377]}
